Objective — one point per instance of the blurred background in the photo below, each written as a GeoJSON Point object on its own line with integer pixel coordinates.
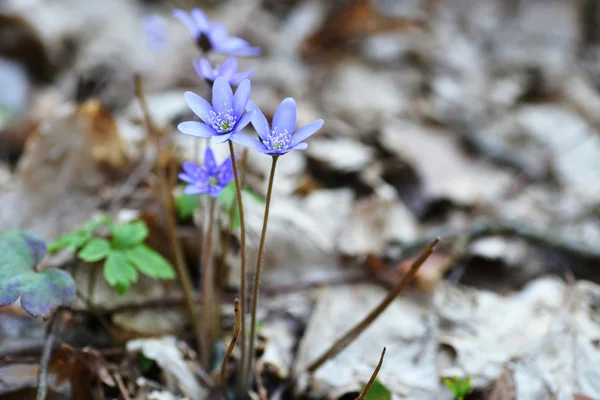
{"type": "Point", "coordinates": [474, 120]}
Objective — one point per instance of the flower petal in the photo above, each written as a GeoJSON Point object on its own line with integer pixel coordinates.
{"type": "Point", "coordinates": [186, 178]}
{"type": "Point", "coordinates": [240, 76]}
{"type": "Point", "coordinates": [300, 146]}
{"type": "Point", "coordinates": [218, 139]}
{"type": "Point", "coordinates": [201, 19]}
{"type": "Point", "coordinates": [218, 32]}
{"type": "Point", "coordinates": [188, 21]}
{"type": "Point", "coordinates": [243, 122]}
{"type": "Point", "coordinates": [222, 96]}
{"type": "Point", "coordinates": [247, 141]}
{"type": "Point", "coordinates": [306, 131]}
{"type": "Point", "coordinates": [236, 46]}
{"type": "Point", "coordinates": [285, 116]}
{"type": "Point", "coordinates": [225, 172]}
{"type": "Point", "coordinates": [193, 189]}
{"type": "Point", "coordinates": [259, 121]}
{"type": "Point", "coordinates": [198, 105]}
{"type": "Point", "coordinates": [209, 160]}
{"type": "Point", "coordinates": [195, 128]}
{"type": "Point", "coordinates": [228, 68]}
{"type": "Point", "coordinates": [204, 69]}
{"type": "Point", "coordinates": [191, 169]}
{"type": "Point", "coordinates": [241, 97]}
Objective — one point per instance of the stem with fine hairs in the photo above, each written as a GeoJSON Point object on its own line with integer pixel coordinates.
{"type": "Point", "coordinates": [353, 333]}
{"type": "Point", "coordinates": [208, 291]}
{"type": "Point", "coordinates": [236, 333]}
{"type": "Point", "coordinates": [258, 265]}
{"type": "Point", "coordinates": [238, 189]}
{"type": "Point", "coordinates": [373, 377]}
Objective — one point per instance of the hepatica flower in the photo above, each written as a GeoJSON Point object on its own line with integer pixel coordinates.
{"type": "Point", "coordinates": [224, 117]}
{"type": "Point", "coordinates": [155, 30]}
{"type": "Point", "coordinates": [208, 178]}
{"type": "Point", "coordinates": [227, 70]}
{"type": "Point", "coordinates": [282, 137]}
{"type": "Point", "coordinates": [213, 36]}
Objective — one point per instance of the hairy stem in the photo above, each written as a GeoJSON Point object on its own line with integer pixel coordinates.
{"type": "Point", "coordinates": [208, 291]}
{"type": "Point", "coordinates": [47, 351]}
{"type": "Point", "coordinates": [261, 247]}
{"type": "Point", "coordinates": [353, 333]}
{"type": "Point", "coordinates": [373, 377]}
{"type": "Point", "coordinates": [238, 189]}
{"type": "Point", "coordinates": [236, 333]}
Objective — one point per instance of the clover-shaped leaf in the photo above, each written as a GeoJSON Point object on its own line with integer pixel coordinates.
{"type": "Point", "coordinates": [40, 292]}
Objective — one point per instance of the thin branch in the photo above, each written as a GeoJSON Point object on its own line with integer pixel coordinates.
{"type": "Point", "coordinates": [353, 333]}
{"type": "Point", "coordinates": [166, 197]}
{"type": "Point", "coordinates": [236, 333]}
{"type": "Point", "coordinates": [370, 383]}
{"type": "Point", "coordinates": [46, 353]}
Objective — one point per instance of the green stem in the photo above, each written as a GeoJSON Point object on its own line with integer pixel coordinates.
{"type": "Point", "coordinates": [258, 265]}
{"type": "Point", "coordinates": [238, 189]}
{"type": "Point", "coordinates": [208, 294]}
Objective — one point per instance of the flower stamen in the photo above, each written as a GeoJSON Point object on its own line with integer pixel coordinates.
{"type": "Point", "coordinates": [223, 122]}
{"type": "Point", "coordinates": [278, 140]}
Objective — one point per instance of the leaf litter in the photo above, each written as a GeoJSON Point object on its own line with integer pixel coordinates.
{"type": "Point", "coordinates": [439, 115]}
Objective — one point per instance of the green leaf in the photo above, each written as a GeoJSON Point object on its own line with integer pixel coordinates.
{"type": "Point", "coordinates": [459, 386]}
{"type": "Point", "coordinates": [119, 272]}
{"type": "Point", "coordinates": [70, 241]}
{"type": "Point", "coordinates": [186, 204]}
{"type": "Point", "coordinates": [228, 195]}
{"type": "Point", "coordinates": [94, 224]}
{"type": "Point", "coordinates": [94, 250]}
{"type": "Point", "coordinates": [378, 391]}
{"type": "Point", "coordinates": [40, 292]}
{"type": "Point", "coordinates": [129, 234]}
{"type": "Point", "coordinates": [149, 262]}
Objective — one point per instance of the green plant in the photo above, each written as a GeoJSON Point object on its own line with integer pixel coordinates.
{"type": "Point", "coordinates": [41, 292]}
{"type": "Point", "coordinates": [459, 386]}
{"type": "Point", "coordinates": [124, 255]}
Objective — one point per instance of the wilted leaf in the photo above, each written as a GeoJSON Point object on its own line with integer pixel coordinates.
{"type": "Point", "coordinates": [40, 292]}
{"type": "Point", "coordinates": [149, 262]}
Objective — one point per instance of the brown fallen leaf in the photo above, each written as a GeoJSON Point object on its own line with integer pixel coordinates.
{"type": "Point", "coordinates": [355, 19]}
{"type": "Point", "coordinates": [503, 388]}
{"type": "Point", "coordinates": [578, 396]}
{"type": "Point", "coordinates": [430, 274]}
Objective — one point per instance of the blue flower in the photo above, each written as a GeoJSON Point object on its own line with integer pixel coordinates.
{"type": "Point", "coordinates": [213, 36]}
{"type": "Point", "coordinates": [209, 178]}
{"type": "Point", "coordinates": [154, 28]}
{"type": "Point", "coordinates": [282, 136]}
{"type": "Point", "coordinates": [226, 115]}
{"type": "Point", "coordinates": [227, 70]}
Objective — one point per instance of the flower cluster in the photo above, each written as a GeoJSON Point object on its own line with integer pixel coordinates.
{"type": "Point", "coordinates": [229, 113]}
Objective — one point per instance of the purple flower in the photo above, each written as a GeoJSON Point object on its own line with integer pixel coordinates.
{"type": "Point", "coordinates": [209, 178]}
{"type": "Point", "coordinates": [154, 28]}
{"type": "Point", "coordinates": [282, 137]}
{"type": "Point", "coordinates": [226, 115]}
{"type": "Point", "coordinates": [227, 70]}
{"type": "Point", "coordinates": [213, 36]}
